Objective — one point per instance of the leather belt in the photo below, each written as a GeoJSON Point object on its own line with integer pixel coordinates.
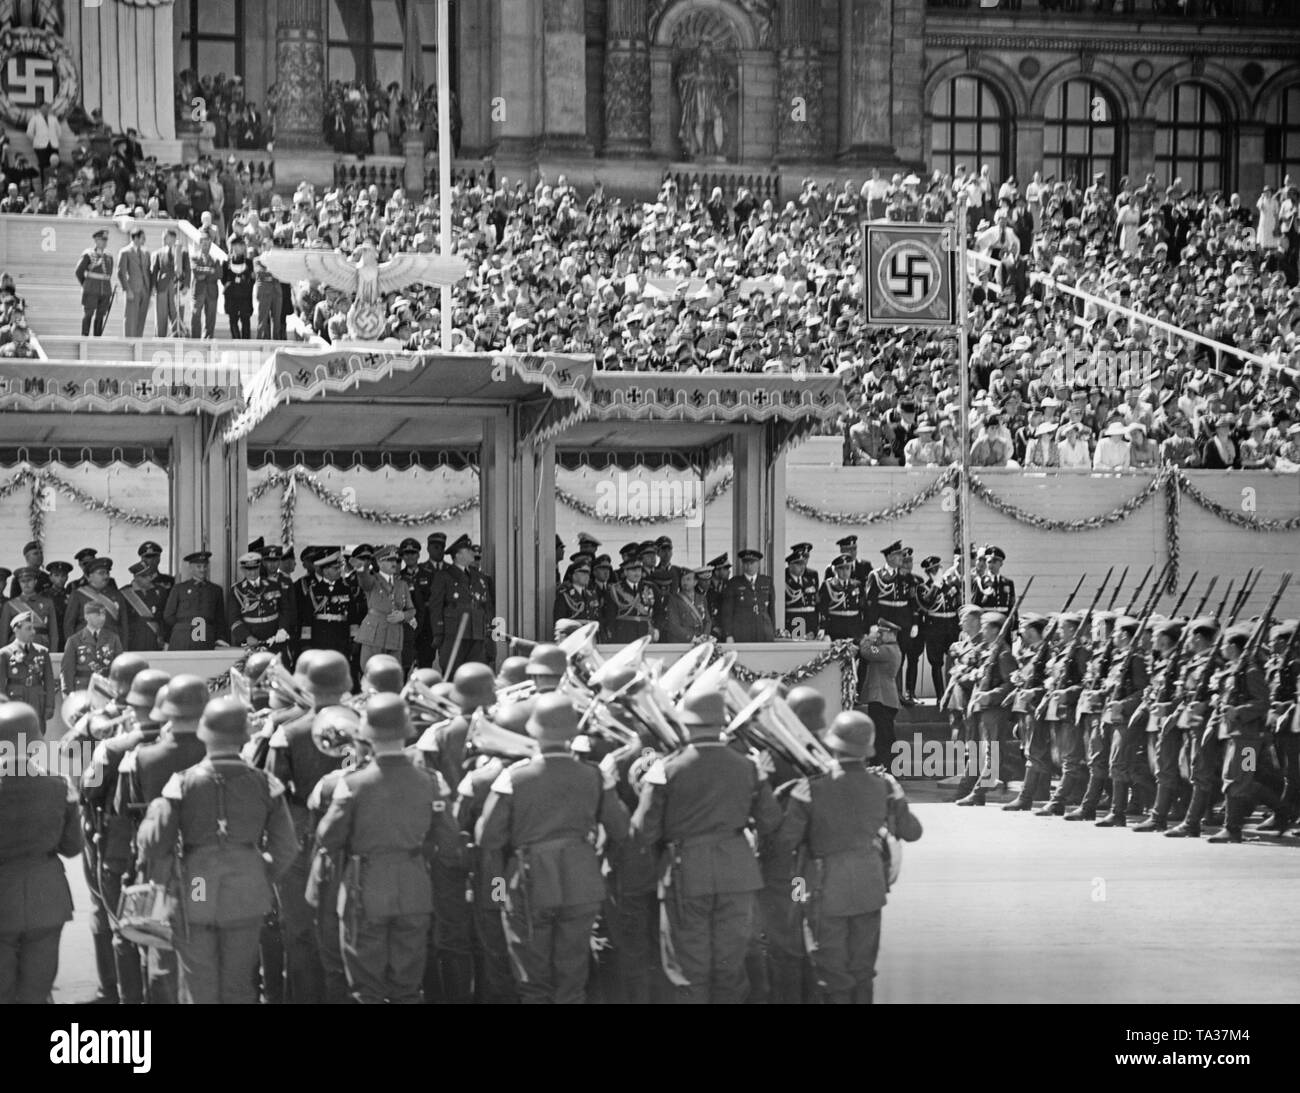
{"type": "Point", "coordinates": [97, 276]}
{"type": "Point", "coordinates": [260, 618]}
{"type": "Point", "coordinates": [891, 603]}
{"type": "Point", "coordinates": [846, 614]}
{"type": "Point", "coordinates": [331, 618]}
{"type": "Point", "coordinates": [942, 614]}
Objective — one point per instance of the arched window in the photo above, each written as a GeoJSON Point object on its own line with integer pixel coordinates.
{"type": "Point", "coordinates": [212, 36]}
{"type": "Point", "coordinates": [1192, 138]}
{"type": "Point", "coordinates": [970, 125]}
{"type": "Point", "coordinates": [367, 40]}
{"type": "Point", "coordinates": [1282, 137]}
{"type": "Point", "coordinates": [1081, 133]}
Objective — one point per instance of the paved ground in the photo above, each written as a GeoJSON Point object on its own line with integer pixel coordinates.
{"type": "Point", "coordinates": [1008, 907]}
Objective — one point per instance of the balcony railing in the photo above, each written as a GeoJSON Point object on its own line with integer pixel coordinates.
{"type": "Point", "coordinates": [1226, 12]}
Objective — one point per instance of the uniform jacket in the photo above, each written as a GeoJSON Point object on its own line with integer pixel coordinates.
{"type": "Point", "coordinates": [142, 626]}
{"type": "Point", "coordinates": [572, 602]}
{"type": "Point", "coordinates": [441, 748]}
{"type": "Point", "coordinates": [695, 806]}
{"type": "Point", "coordinates": [146, 770]}
{"type": "Point", "coordinates": [194, 616]}
{"type": "Point", "coordinates": [994, 593]}
{"type": "Point", "coordinates": [1124, 695]}
{"type": "Point", "coordinates": [84, 655]}
{"type": "Point", "coordinates": [837, 820]}
{"type": "Point", "coordinates": [383, 597]}
{"type": "Point", "coordinates": [840, 609]}
{"type": "Point", "coordinates": [860, 572]}
{"type": "Point", "coordinates": [747, 609]}
{"type": "Point", "coordinates": [112, 829]}
{"type": "Point", "coordinates": [38, 821]}
{"type": "Point", "coordinates": [960, 665]}
{"type": "Point", "coordinates": [95, 273]}
{"type": "Point", "coordinates": [326, 610]}
{"type": "Point", "coordinates": [259, 611]}
{"type": "Point", "coordinates": [883, 661]}
{"type": "Point", "coordinates": [625, 616]}
{"type": "Point", "coordinates": [685, 619]}
{"type": "Point", "coordinates": [457, 592]}
{"type": "Point", "coordinates": [28, 676]}
{"type": "Point", "coordinates": [206, 273]}
{"type": "Point", "coordinates": [801, 600]}
{"type": "Point", "coordinates": [47, 619]}
{"type": "Point", "coordinates": [295, 760]}
{"type": "Point", "coordinates": [541, 817]}
{"type": "Point", "coordinates": [225, 813]}
{"type": "Point", "coordinates": [989, 701]}
{"type": "Point", "coordinates": [1066, 681]}
{"type": "Point", "coordinates": [890, 594]}
{"type": "Point", "coordinates": [1242, 701]}
{"type": "Point", "coordinates": [74, 617]}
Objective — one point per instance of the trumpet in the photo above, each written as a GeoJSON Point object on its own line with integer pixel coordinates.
{"type": "Point", "coordinates": [335, 731]}
{"type": "Point", "coordinates": [767, 721]}
{"type": "Point", "coordinates": [75, 706]}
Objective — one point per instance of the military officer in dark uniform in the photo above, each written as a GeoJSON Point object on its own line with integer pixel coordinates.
{"type": "Point", "coordinates": [721, 566]}
{"type": "Point", "coordinates": [840, 603]}
{"type": "Point", "coordinates": [151, 553]}
{"type": "Point", "coordinates": [194, 616]}
{"type": "Point", "coordinates": [991, 684]}
{"type": "Point", "coordinates": [90, 650]}
{"type": "Point", "coordinates": [275, 571]}
{"type": "Point", "coordinates": [748, 603]}
{"type": "Point", "coordinates": [801, 598]}
{"type": "Point", "coordinates": [656, 578]}
{"type": "Point", "coordinates": [235, 836]}
{"type": "Point", "coordinates": [694, 810]}
{"type": "Point", "coordinates": [205, 272]}
{"type": "Point", "coordinates": [26, 671]}
{"type": "Point", "coordinates": [34, 558]}
{"type": "Point", "coordinates": [83, 558]}
{"type": "Point", "coordinates": [331, 605]}
{"type": "Point", "coordinates": [861, 569]}
{"type": "Point", "coordinates": [257, 610]}
{"type": "Point", "coordinates": [142, 606]}
{"type": "Point", "coordinates": [421, 583]}
{"type": "Point", "coordinates": [97, 589]}
{"type": "Point", "coordinates": [38, 822]}
{"type": "Point", "coordinates": [301, 601]}
{"type": "Point", "coordinates": [665, 576]}
{"type": "Point", "coordinates": [602, 571]}
{"type": "Point", "coordinates": [408, 552]}
{"type": "Point", "coordinates": [939, 597]}
{"type": "Point", "coordinates": [58, 590]}
{"type": "Point", "coordinates": [575, 598]}
{"type": "Point", "coordinates": [991, 590]}
{"type": "Point", "coordinates": [588, 544]}
{"type": "Point", "coordinates": [460, 592]}
{"type": "Point", "coordinates": [889, 592]}
{"type": "Point", "coordinates": [27, 600]}
{"type": "Point", "coordinates": [95, 273]}
{"type": "Point", "coordinates": [539, 827]}
{"type": "Point", "coordinates": [626, 615]}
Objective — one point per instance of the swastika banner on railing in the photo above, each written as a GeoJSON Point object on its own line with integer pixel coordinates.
{"type": "Point", "coordinates": [909, 274]}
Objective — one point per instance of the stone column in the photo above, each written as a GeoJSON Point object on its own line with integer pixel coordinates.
{"type": "Point", "coordinates": [1029, 136]}
{"type": "Point", "coordinates": [908, 80]}
{"type": "Point", "coordinates": [1250, 163]}
{"type": "Point", "coordinates": [1141, 149]}
{"type": "Point", "coordinates": [301, 153]}
{"type": "Point", "coordinates": [866, 87]}
{"type": "Point", "coordinates": [564, 75]}
{"type": "Point", "coordinates": [627, 80]}
{"type": "Point", "coordinates": [799, 101]}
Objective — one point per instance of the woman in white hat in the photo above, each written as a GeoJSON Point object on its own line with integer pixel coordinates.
{"type": "Point", "coordinates": [1112, 452]}
{"type": "Point", "coordinates": [1072, 449]}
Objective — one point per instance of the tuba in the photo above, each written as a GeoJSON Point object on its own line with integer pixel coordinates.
{"type": "Point", "coordinates": [676, 679]}
{"type": "Point", "coordinates": [580, 647]}
{"type": "Point", "coordinates": [427, 707]}
{"type": "Point", "coordinates": [767, 721]}
{"type": "Point", "coordinates": [76, 704]}
{"type": "Point", "coordinates": [280, 683]}
{"type": "Point", "coordinates": [635, 693]}
{"type": "Point", "coordinates": [335, 731]}
{"type": "Point", "coordinates": [488, 738]}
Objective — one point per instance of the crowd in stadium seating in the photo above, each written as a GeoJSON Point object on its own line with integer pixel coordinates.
{"type": "Point", "coordinates": [367, 119]}
{"type": "Point", "coordinates": [237, 122]}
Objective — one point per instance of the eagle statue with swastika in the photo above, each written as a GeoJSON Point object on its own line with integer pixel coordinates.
{"type": "Point", "coordinates": [367, 277]}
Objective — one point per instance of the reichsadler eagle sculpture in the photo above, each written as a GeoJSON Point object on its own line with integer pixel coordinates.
{"type": "Point", "coordinates": [366, 277]}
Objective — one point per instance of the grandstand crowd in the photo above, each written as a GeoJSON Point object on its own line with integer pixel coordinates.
{"type": "Point", "coordinates": [697, 281]}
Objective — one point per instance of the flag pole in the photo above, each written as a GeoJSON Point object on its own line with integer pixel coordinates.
{"type": "Point", "coordinates": [963, 364]}
{"type": "Point", "coordinates": [444, 164]}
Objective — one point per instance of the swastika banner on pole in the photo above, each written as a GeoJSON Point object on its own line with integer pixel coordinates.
{"type": "Point", "coordinates": [910, 275]}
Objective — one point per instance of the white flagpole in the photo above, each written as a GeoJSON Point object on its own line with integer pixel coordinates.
{"type": "Point", "coordinates": [444, 162]}
{"type": "Point", "coordinates": [963, 364]}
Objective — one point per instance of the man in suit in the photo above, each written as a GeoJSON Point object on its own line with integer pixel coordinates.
{"type": "Point", "coordinates": [136, 279]}
{"type": "Point", "coordinates": [748, 603]}
{"type": "Point", "coordinates": [170, 274]}
{"type": "Point", "coordinates": [94, 273]}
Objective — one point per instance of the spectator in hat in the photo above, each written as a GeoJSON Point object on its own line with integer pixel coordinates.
{"type": "Point", "coordinates": [1220, 452]}
{"type": "Point", "coordinates": [1112, 452]}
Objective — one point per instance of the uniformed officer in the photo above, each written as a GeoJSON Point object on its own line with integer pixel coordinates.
{"type": "Point", "coordinates": [1162, 723]}
{"type": "Point", "coordinates": [1090, 708]}
{"type": "Point", "coordinates": [1204, 758]}
{"type": "Point", "coordinates": [150, 553]}
{"type": "Point", "coordinates": [26, 670]}
{"type": "Point", "coordinates": [664, 576]}
{"type": "Point", "coordinates": [29, 601]}
{"type": "Point", "coordinates": [408, 550]}
{"type": "Point", "coordinates": [602, 572]}
{"type": "Point", "coordinates": [194, 616]}
{"type": "Point", "coordinates": [694, 810]}
{"type": "Point", "coordinates": [330, 605]}
{"type": "Point", "coordinates": [659, 580]}
{"type": "Point", "coordinates": [235, 837]}
{"type": "Point", "coordinates": [938, 597]}
{"type": "Point", "coordinates": [258, 613]}
{"type": "Point", "coordinates": [91, 649]}
{"type": "Point", "coordinates": [206, 274]}
{"type": "Point", "coordinates": [294, 758]}
{"type": "Point", "coordinates": [390, 610]}
{"type": "Point", "coordinates": [801, 606]}
{"type": "Point", "coordinates": [588, 544]}
{"type": "Point", "coordinates": [721, 566]}
{"type": "Point", "coordinates": [95, 273]}
{"type": "Point", "coordinates": [144, 773]}
{"type": "Point", "coordinates": [83, 558]}
{"type": "Point", "coordinates": [686, 614]}
{"type": "Point", "coordinates": [540, 824]}
{"type": "Point", "coordinates": [748, 603]}
{"type": "Point", "coordinates": [58, 591]}
{"type": "Point", "coordinates": [838, 822]}
{"type": "Point", "coordinates": [890, 592]}
{"type": "Point", "coordinates": [1032, 655]}
{"type": "Point", "coordinates": [33, 557]}
{"type": "Point", "coordinates": [626, 614]}
{"type": "Point", "coordinates": [991, 684]}
{"type": "Point", "coordinates": [426, 651]}
{"type": "Point", "coordinates": [575, 598]}
{"type": "Point", "coordinates": [990, 590]}
{"type": "Point", "coordinates": [38, 823]}
{"type": "Point", "coordinates": [460, 593]}
{"type": "Point", "coordinates": [142, 606]}
{"type": "Point", "coordinates": [840, 602]}
{"type": "Point", "coordinates": [1066, 671]}
{"type": "Point", "coordinates": [381, 829]}
{"type": "Point", "coordinates": [1128, 745]}
{"type": "Point", "coordinates": [99, 590]}
{"type": "Point", "coordinates": [860, 569]}
{"type": "Point", "coordinates": [962, 667]}
{"type": "Point", "coordinates": [1283, 672]}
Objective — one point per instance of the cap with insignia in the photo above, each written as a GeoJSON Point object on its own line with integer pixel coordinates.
{"type": "Point", "coordinates": [630, 550]}
{"type": "Point", "coordinates": [846, 542]}
{"type": "Point", "coordinates": [194, 558]}
{"type": "Point", "coordinates": [930, 561]}
{"type": "Point", "coordinates": [750, 555]}
{"type": "Point", "coordinates": [33, 545]}
{"type": "Point", "coordinates": [888, 624]}
{"type": "Point", "coordinates": [149, 547]}
{"type": "Point", "coordinates": [896, 547]}
{"type": "Point", "coordinates": [251, 560]}
{"type": "Point", "coordinates": [22, 617]}
{"type": "Point", "coordinates": [84, 553]}
{"type": "Point", "coordinates": [386, 554]}
{"type": "Point", "coordinates": [140, 567]}
{"type": "Point", "coordinates": [325, 560]}
{"type": "Point", "coordinates": [602, 562]}
{"type": "Point", "coordinates": [703, 571]}
{"type": "Point", "coordinates": [258, 545]}
{"type": "Point", "coordinates": [720, 562]}
{"type": "Point", "coordinates": [96, 565]}
{"type": "Point", "coordinates": [648, 547]}
{"type": "Point", "coordinates": [841, 560]}
{"type": "Point", "coordinates": [410, 546]}
{"type": "Point", "coordinates": [27, 573]}
{"type": "Point", "coordinates": [663, 541]}
{"type": "Point", "coordinates": [102, 233]}
{"type": "Point", "coordinates": [465, 543]}
{"type": "Point", "coordinates": [802, 548]}
{"type": "Point", "coordinates": [995, 552]}
{"type": "Point", "coordinates": [436, 537]}
{"type": "Point", "coordinates": [794, 556]}
{"type": "Point", "coordinates": [273, 553]}
{"type": "Point", "coordinates": [586, 540]}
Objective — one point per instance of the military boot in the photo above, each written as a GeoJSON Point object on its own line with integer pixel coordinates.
{"type": "Point", "coordinates": [1190, 828]}
{"type": "Point", "coordinates": [1118, 815]}
{"type": "Point", "coordinates": [1159, 818]}
{"type": "Point", "coordinates": [1235, 811]}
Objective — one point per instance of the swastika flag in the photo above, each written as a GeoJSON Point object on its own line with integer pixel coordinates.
{"type": "Point", "coordinates": [910, 275]}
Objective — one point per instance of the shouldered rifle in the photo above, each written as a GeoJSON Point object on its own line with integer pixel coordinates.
{"type": "Point", "coordinates": [1153, 598]}
{"type": "Point", "coordinates": [1236, 689]}
{"type": "Point", "coordinates": [1137, 592]}
{"type": "Point", "coordinates": [1201, 690]}
{"type": "Point", "coordinates": [1067, 653]}
{"type": "Point", "coordinates": [1177, 654]}
{"type": "Point", "coordinates": [1247, 590]}
{"type": "Point", "coordinates": [1038, 666]}
{"type": "Point", "coordinates": [1115, 595]}
{"type": "Point", "coordinates": [989, 666]}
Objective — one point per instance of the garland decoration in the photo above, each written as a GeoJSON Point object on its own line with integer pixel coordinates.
{"type": "Point", "coordinates": [1173, 518]}
{"type": "Point", "coordinates": [1086, 523]}
{"type": "Point", "coordinates": [36, 510]}
{"type": "Point", "coordinates": [38, 479]}
{"type": "Point", "coordinates": [1237, 519]}
{"type": "Point", "coordinates": [844, 650]}
{"type": "Point", "coordinates": [593, 512]}
{"type": "Point", "coordinates": [289, 481]}
{"type": "Point", "coordinates": [948, 478]}
{"type": "Point", "coordinates": [288, 509]}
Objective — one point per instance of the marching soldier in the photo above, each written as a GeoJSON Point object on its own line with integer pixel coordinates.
{"type": "Point", "coordinates": [144, 773]}
{"type": "Point", "coordinates": [1284, 688]}
{"type": "Point", "coordinates": [575, 598]}
{"type": "Point", "coordinates": [142, 605]}
{"type": "Point", "coordinates": [1130, 676]}
{"type": "Point", "coordinates": [38, 824]}
{"type": "Point", "coordinates": [97, 589]}
{"type": "Point", "coordinates": [695, 807]}
{"type": "Point", "coordinates": [991, 681]}
{"type": "Point", "coordinates": [95, 273]}
{"type": "Point", "coordinates": [627, 615]}
{"type": "Point", "coordinates": [26, 671]}
{"type": "Point", "coordinates": [224, 816]}
{"type": "Point", "coordinates": [194, 615]}
{"type": "Point", "coordinates": [989, 589]}
{"type": "Point", "coordinates": [30, 601]}
{"type": "Point", "coordinates": [748, 603]}
{"type": "Point", "coordinates": [205, 272]}
{"type": "Point", "coordinates": [1204, 756]}
{"type": "Point", "coordinates": [838, 821]}
{"type": "Point", "coordinates": [381, 821]}
{"type": "Point", "coordinates": [258, 613]}
{"type": "Point", "coordinates": [460, 593]}
{"type": "Point", "coordinates": [89, 650]}
{"type": "Point", "coordinates": [801, 597]}
{"type": "Point", "coordinates": [962, 669]}
{"type": "Point", "coordinates": [1162, 724]}
{"type": "Point", "coordinates": [860, 569]}
{"type": "Point", "coordinates": [938, 598]}
{"type": "Point", "coordinates": [840, 602]}
{"type": "Point", "coordinates": [330, 605]}
{"type": "Point", "coordinates": [1097, 730]}
{"type": "Point", "coordinates": [150, 553]}
{"type": "Point", "coordinates": [1066, 671]}
{"type": "Point", "coordinates": [1035, 737]}
{"type": "Point", "coordinates": [541, 820]}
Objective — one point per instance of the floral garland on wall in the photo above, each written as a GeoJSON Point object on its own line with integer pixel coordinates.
{"type": "Point", "coordinates": [590, 512]}
{"type": "Point", "coordinates": [845, 651]}
{"type": "Point", "coordinates": [1083, 523]}
{"type": "Point", "coordinates": [950, 477]}
{"type": "Point", "coordinates": [1238, 519]}
{"type": "Point", "coordinates": [39, 479]}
